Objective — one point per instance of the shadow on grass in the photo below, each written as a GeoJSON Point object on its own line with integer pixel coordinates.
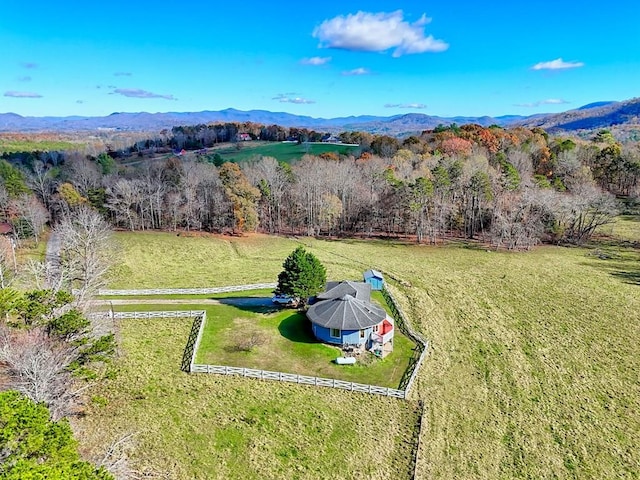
{"type": "Point", "coordinates": [251, 304]}
{"type": "Point", "coordinates": [624, 268]}
{"type": "Point", "coordinates": [297, 328]}
{"type": "Point", "coordinates": [628, 277]}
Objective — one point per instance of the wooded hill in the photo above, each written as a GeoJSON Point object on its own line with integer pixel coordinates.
{"type": "Point", "coordinates": [513, 187]}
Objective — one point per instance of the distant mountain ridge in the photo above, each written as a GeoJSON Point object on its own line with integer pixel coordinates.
{"type": "Point", "coordinates": [590, 117]}
{"type": "Point", "coordinates": [593, 115]}
{"type": "Point", "coordinates": [157, 121]}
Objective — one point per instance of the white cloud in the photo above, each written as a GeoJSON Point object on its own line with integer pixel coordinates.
{"type": "Point", "coordinates": [287, 98]}
{"type": "Point", "coordinates": [378, 32]}
{"type": "Point", "coordinates": [138, 93]}
{"type": "Point", "coordinates": [356, 71]}
{"type": "Point", "coordinates": [557, 64]}
{"type": "Point", "coordinates": [548, 101]}
{"type": "Point", "coordinates": [413, 106]}
{"type": "Point", "coordinates": [315, 61]}
{"type": "Point", "coordinates": [14, 94]}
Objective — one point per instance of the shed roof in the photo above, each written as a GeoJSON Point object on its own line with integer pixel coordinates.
{"type": "Point", "coordinates": [373, 274]}
{"type": "Point", "coordinates": [359, 290]}
{"type": "Point", "coordinates": [346, 313]}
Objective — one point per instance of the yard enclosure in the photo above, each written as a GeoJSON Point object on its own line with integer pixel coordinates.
{"type": "Point", "coordinates": [532, 370]}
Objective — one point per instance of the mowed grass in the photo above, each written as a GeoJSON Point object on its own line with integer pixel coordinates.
{"type": "Point", "coordinates": [532, 371]}
{"type": "Point", "coordinates": [215, 427]}
{"type": "Point", "coordinates": [150, 259]}
{"type": "Point", "coordinates": [284, 152]}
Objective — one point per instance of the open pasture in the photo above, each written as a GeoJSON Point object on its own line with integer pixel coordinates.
{"type": "Point", "coordinates": [532, 372]}
{"type": "Point", "coordinates": [284, 152]}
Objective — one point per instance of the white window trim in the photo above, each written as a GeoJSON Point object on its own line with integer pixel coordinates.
{"type": "Point", "coordinates": [331, 330]}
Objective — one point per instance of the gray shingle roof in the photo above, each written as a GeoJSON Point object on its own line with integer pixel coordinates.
{"type": "Point", "coordinates": [373, 274]}
{"type": "Point", "coordinates": [359, 290]}
{"type": "Point", "coordinates": [345, 313]}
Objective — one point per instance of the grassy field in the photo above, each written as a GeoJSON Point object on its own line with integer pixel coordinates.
{"type": "Point", "coordinates": [532, 373]}
{"type": "Point", "coordinates": [166, 260]}
{"type": "Point", "coordinates": [22, 143]}
{"type": "Point", "coordinates": [284, 152]}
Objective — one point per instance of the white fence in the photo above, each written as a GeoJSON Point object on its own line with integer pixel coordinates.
{"type": "Point", "coordinates": [159, 314]}
{"type": "Point", "coordinates": [300, 379]}
{"type": "Point", "coordinates": [405, 326]}
{"type": "Point", "coordinates": [189, 291]}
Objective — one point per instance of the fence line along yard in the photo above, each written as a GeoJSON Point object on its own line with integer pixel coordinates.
{"type": "Point", "coordinates": [422, 345]}
{"type": "Point", "coordinates": [300, 379]}
{"type": "Point", "coordinates": [195, 336]}
{"type": "Point", "coordinates": [189, 291]}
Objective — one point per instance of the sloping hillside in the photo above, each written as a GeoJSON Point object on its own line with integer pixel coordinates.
{"type": "Point", "coordinates": [609, 115]}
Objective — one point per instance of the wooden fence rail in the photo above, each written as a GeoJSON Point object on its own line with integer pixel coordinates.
{"type": "Point", "coordinates": [189, 291]}
{"type": "Point", "coordinates": [422, 345]}
{"type": "Point", "coordinates": [300, 379]}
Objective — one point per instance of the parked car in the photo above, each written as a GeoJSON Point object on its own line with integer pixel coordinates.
{"type": "Point", "coordinates": [284, 300]}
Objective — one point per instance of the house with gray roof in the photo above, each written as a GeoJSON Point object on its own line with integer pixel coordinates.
{"type": "Point", "coordinates": [345, 315]}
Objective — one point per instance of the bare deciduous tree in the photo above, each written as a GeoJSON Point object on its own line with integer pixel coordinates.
{"type": "Point", "coordinates": [86, 249]}
{"type": "Point", "coordinates": [32, 216]}
{"type": "Point", "coordinates": [37, 367]}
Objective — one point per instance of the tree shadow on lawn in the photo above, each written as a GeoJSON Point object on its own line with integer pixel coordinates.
{"type": "Point", "coordinates": [626, 269]}
{"type": "Point", "coordinates": [297, 328]}
{"type": "Point", "coordinates": [251, 304]}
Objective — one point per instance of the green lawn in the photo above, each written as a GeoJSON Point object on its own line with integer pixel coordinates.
{"type": "Point", "coordinates": [284, 152]}
{"type": "Point", "coordinates": [532, 371]}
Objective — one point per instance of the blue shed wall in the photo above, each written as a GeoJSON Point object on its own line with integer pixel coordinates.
{"type": "Point", "coordinates": [376, 283]}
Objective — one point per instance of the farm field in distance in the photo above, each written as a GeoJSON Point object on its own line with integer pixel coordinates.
{"type": "Point", "coordinates": [282, 151]}
{"type": "Point", "coordinates": [12, 142]}
{"type": "Point", "coordinates": [532, 371]}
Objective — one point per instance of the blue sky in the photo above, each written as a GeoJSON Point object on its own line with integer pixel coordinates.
{"type": "Point", "coordinates": [323, 59]}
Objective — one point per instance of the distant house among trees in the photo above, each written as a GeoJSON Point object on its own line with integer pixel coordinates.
{"type": "Point", "coordinates": [6, 228]}
{"type": "Point", "coordinates": [243, 137]}
{"type": "Point", "coordinates": [344, 315]}
{"type": "Point", "coordinates": [328, 138]}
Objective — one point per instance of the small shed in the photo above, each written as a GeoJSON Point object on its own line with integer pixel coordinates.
{"type": "Point", "coordinates": [374, 278]}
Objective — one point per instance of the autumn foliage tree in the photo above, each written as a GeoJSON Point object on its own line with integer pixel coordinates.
{"type": "Point", "coordinates": [242, 195]}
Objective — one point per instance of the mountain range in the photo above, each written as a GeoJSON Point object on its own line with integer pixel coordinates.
{"type": "Point", "coordinates": [588, 117]}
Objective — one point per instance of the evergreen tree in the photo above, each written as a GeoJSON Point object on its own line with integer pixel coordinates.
{"type": "Point", "coordinates": [32, 446]}
{"type": "Point", "coordinates": [302, 277]}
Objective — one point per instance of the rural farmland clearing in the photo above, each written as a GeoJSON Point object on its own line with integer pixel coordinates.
{"type": "Point", "coordinates": [535, 350]}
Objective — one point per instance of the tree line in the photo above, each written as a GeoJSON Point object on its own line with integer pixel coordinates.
{"type": "Point", "coordinates": [513, 187]}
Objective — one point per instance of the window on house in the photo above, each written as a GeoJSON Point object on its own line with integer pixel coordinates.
{"type": "Point", "coordinates": [335, 332]}
{"type": "Point", "coordinates": [375, 328]}
{"type": "Point", "coordinates": [361, 333]}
